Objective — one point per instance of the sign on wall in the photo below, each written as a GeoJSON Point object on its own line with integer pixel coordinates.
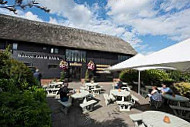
{"type": "Point", "coordinates": [34, 56]}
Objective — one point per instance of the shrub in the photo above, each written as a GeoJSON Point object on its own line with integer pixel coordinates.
{"type": "Point", "coordinates": [19, 72]}
{"type": "Point", "coordinates": [148, 77]}
{"type": "Point", "coordinates": [14, 71]}
{"type": "Point", "coordinates": [183, 88]}
{"type": "Point", "coordinates": [178, 76]}
{"type": "Point", "coordinates": [22, 103]}
{"type": "Point", "coordinates": [154, 77]}
{"type": "Point", "coordinates": [24, 109]}
{"type": "Point", "coordinates": [129, 76]}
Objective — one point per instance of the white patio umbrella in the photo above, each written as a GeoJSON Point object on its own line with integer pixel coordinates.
{"type": "Point", "coordinates": [137, 59]}
{"type": "Point", "coordinates": [176, 56]}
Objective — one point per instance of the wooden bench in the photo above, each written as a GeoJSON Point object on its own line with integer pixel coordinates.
{"type": "Point", "coordinates": [137, 119]}
{"type": "Point", "coordinates": [87, 106]}
{"type": "Point", "coordinates": [183, 112]}
{"type": "Point", "coordinates": [124, 105]}
{"type": "Point", "coordinates": [66, 105]}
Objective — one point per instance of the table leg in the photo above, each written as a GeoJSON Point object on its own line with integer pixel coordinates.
{"type": "Point", "coordinates": [84, 101]}
{"type": "Point", "coordinates": [123, 98]}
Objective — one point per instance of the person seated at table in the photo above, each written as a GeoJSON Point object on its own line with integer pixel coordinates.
{"type": "Point", "coordinates": [64, 93]}
{"type": "Point", "coordinates": [166, 90]}
{"type": "Point", "coordinates": [119, 84]}
{"type": "Point", "coordinates": [155, 95]}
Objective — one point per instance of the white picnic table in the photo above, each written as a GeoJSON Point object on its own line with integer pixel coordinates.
{"type": "Point", "coordinates": [155, 119]}
{"type": "Point", "coordinates": [80, 95]}
{"type": "Point", "coordinates": [91, 84]}
{"type": "Point", "coordinates": [121, 93]}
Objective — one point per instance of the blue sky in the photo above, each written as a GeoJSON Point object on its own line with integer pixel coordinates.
{"type": "Point", "coordinates": [148, 25]}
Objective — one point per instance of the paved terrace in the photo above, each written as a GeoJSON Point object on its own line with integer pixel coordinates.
{"type": "Point", "coordinates": [101, 116]}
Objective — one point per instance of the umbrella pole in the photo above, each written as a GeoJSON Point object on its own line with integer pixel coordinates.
{"type": "Point", "coordinates": [139, 82]}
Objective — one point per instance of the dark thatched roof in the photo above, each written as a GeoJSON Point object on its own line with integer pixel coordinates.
{"type": "Point", "coordinates": [14, 28]}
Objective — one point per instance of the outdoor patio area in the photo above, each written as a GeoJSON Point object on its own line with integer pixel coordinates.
{"type": "Point", "coordinates": [102, 115]}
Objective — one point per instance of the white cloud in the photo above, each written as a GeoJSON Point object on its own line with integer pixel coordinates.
{"type": "Point", "coordinates": [145, 20]}
{"type": "Point", "coordinates": [168, 5]}
{"type": "Point", "coordinates": [53, 21]}
{"type": "Point", "coordinates": [28, 15]}
{"type": "Point", "coordinates": [76, 13]}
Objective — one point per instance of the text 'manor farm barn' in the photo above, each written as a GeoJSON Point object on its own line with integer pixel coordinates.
{"type": "Point", "coordinates": [44, 45]}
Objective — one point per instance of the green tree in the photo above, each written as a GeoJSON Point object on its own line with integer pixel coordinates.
{"type": "Point", "coordinates": [22, 102]}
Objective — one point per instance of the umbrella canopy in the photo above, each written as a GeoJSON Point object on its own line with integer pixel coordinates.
{"type": "Point", "coordinates": [176, 56]}
{"type": "Point", "coordinates": [154, 67]}
{"type": "Point", "coordinates": [137, 59]}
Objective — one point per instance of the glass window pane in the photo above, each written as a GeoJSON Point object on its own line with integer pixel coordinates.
{"type": "Point", "coordinates": [52, 50]}
{"type": "Point", "coordinates": [56, 50]}
{"type": "Point", "coordinates": [72, 56]}
{"type": "Point", "coordinates": [15, 46]}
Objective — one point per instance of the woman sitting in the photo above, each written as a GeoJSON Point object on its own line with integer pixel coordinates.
{"type": "Point", "coordinates": [155, 95]}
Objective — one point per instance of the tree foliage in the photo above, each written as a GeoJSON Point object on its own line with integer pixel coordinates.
{"type": "Point", "coordinates": [22, 102]}
{"type": "Point", "coordinates": [129, 76]}
{"type": "Point", "coordinates": [178, 76]}
{"type": "Point", "coordinates": [21, 4]}
{"type": "Point", "coordinates": [148, 77]}
{"type": "Point", "coordinates": [183, 88]}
